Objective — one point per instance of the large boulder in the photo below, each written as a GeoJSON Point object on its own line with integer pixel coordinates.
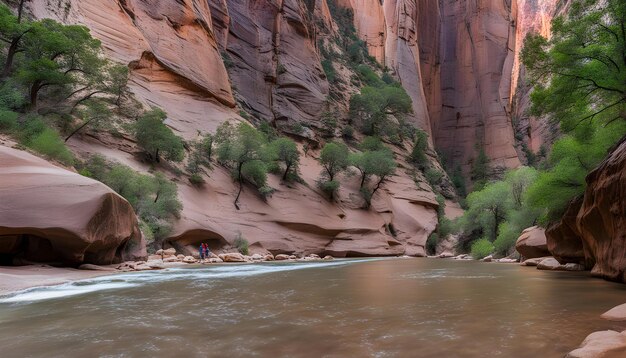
{"type": "Point", "coordinates": [563, 239]}
{"type": "Point", "coordinates": [602, 344]}
{"type": "Point", "coordinates": [532, 243]}
{"type": "Point", "coordinates": [50, 214]}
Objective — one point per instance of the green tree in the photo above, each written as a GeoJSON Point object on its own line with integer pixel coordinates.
{"type": "Point", "coordinates": [242, 148]}
{"type": "Point", "coordinates": [580, 73]}
{"type": "Point", "coordinates": [286, 151]}
{"type": "Point", "coordinates": [418, 154]}
{"type": "Point", "coordinates": [334, 159]}
{"type": "Point", "coordinates": [12, 31]}
{"type": "Point", "coordinates": [57, 56]}
{"type": "Point", "coordinates": [156, 138]}
{"type": "Point", "coordinates": [373, 104]}
{"type": "Point", "coordinates": [487, 209]}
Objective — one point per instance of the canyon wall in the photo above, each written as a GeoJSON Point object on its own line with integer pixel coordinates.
{"type": "Point", "coordinates": [209, 61]}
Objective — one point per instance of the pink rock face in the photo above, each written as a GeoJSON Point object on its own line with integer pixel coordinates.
{"type": "Point", "coordinates": [49, 214]}
{"type": "Point", "coordinates": [532, 243]}
{"type": "Point", "coordinates": [275, 66]}
{"type": "Point", "coordinates": [170, 48]}
{"type": "Point", "coordinates": [478, 38]}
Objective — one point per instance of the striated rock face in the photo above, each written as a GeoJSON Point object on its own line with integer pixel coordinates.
{"type": "Point", "coordinates": [593, 230]}
{"type": "Point", "coordinates": [298, 218]}
{"type": "Point", "coordinates": [170, 48]}
{"type": "Point", "coordinates": [602, 216]}
{"type": "Point", "coordinates": [272, 57]}
{"type": "Point", "coordinates": [478, 38]}
{"type": "Point", "coordinates": [532, 243]}
{"type": "Point", "coordinates": [49, 214]}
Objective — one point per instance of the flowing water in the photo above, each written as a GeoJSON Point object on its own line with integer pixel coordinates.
{"type": "Point", "coordinates": [352, 308]}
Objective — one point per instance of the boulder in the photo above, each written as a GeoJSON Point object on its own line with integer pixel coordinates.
{"type": "Point", "coordinates": [602, 344]}
{"type": "Point", "coordinates": [533, 262]}
{"type": "Point", "coordinates": [532, 243]}
{"type": "Point", "coordinates": [507, 261]}
{"type": "Point", "coordinates": [487, 259]}
{"type": "Point", "coordinates": [232, 257]}
{"type": "Point", "coordinates": [617, 313]}
{"type": "Point", "coordinates": [92, 267]}
{"type": "Point", "coordinates": [215, 260]}
{"type": "Point", "coordinates": [155, 264]}
{"type": "Point", "coordinates": [292, 257]}
{"type": "Point", "coordinates": [257, 257]}
{"type": "Point", "coordinates": [549, 263]}
{"type": "Point", "coordinates": [563, 239]}
{"type": "Point", "coordinates": [445, 255]}
{"type": "Point", "coordinates": [328, 258]}
{"type": "Point", "coordinates": [189, 260]}
{"type": "Point", "coordinates": [281, 257]}
{"type": "Point", "coordinates": [50, 214]}
{"type": "Point", "coordinates": [170, 252]}
{"type": "Point", "coordinates": [269, 257]}
{"type": "Point", "coordinates": [573, 267]}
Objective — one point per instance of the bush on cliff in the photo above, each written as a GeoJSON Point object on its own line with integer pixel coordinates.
{"type": "Point", "coordinates": [158, 139]}
{"type": "Point", "coordinates": [334, 159]}
{"type": "Point", "coordinates": [375, 161]}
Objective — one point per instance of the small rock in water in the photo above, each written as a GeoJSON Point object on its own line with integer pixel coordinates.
{"type": "Point", "coordinates": [487, 259]}
{"type": "Point", "coordinates": [573, 267]}
{"type": "Point", "coordinates": [257, 257]}
{"type": "Point", "coordinates": [269, 257]}
{"type": "Point", "coordinates": [155, 264]}
{"type": "Point", "coordinates": [445, 255]}
{"type": "Point", "coordinates": [281, 257]}
{"type": "Point", "coordinates": [328, 258]}
{"type": "Point", "coordinates": [292, 257]}
{"type": "Point", "coordinates": [506, 261]}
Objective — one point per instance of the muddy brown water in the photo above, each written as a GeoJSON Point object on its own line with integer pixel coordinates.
{"type": "Point", "coordinates": [352, 308]}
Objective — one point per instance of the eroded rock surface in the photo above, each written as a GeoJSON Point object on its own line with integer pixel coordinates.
{"type": "Point", "coordinates": [532, 243]}
{"type": "Point", "coordinates": [50, 214]}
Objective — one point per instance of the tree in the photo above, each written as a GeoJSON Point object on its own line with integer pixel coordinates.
{"type": "Point", "coordinates": [487, 208]}
{"type": "Point", "coordinates": [380, 164]}
{"type": "Point", "coordinates": [519, 180]}
{"type": "Point", "coordinates": [373, 104]}
{"type": "Point", "coordinates": [12, 32]}
{"type": "Point", "coordinates": [242, 148]}
{"type": "Point", "coordinates": [57, 55]}
{"type": "Point", "coordinates": [580, 73]}
{"type": "Point", "coordinates": [334, 159]}
{"type": "Point", "coordinates": [157, 138]}
{"type": "Point", "coordinates": [418, 154]}
{"type": "Point", "coordinates": [480, 169]}
{"type": "Point", "coordinates": [285, 151]}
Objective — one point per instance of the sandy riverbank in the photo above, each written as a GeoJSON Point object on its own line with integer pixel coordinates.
{"type": "Point", "coordinates": [16, 278]}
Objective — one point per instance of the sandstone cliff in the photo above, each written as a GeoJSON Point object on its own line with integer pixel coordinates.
{"type": "Point", "coordinates": [49, 214]}
{"type": "Point", "coordinates": [593, 231]}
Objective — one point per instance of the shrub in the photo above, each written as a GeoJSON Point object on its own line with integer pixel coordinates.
{"type": "Point", "coordinates": [51, 145]}
{"type": "Point", "coordinates": [241, 244]}
{"type": "Point", "coordinates": [347, 132]}
{"type": "Point", "coordinates": [481, 248]}
{"type": "Point", "coordinates": [196, 179]}
{"type": "Point", "coordinates": [431, 243]}
{"type": "Point", "coordinates": [433, 176]}
{"type": "Point", "coordinates": [157, 138]}
{"type": "Point", "coordinates": [329, 187]}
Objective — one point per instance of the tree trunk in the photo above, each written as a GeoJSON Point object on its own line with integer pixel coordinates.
{"type": "Point", "coordinates": [8, 64]}
{"type": "Point", "coordinates": [78, 129]}
{"type": "Point", "coordinates": [156, 156]}
{"type": "Point", "coordinates": [34, 92]}
{"type": "Point", "coordinates": [286, 171]}
{"type": "Point", "coordinates": [240, 179]}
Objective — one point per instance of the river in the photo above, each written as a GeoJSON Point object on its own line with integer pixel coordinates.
{"type": "Point", "coordinates": [351, 308]}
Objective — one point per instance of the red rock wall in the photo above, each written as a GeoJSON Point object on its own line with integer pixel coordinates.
{"type": "Point", "coordinates": [593, 230]}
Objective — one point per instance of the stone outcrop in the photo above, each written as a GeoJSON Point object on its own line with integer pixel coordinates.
{"type": "Point", "coordinates": [593, 230]}
{"type": "Point", "coordinates": [49, 214]}
{"type": "Point", "coordinates": [532, 243]}
{"type": "Point", "coordinates": [602, 344]}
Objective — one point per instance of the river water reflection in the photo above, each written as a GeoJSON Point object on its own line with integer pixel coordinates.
{"type": "Point", "coordinates": [352, 308]}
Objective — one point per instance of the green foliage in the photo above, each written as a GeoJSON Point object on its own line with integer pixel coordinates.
{"type": "Point", "coordinates": [571, 159]}
{"type": "Point", "coordinates": [329, 125]}
{"type": "Point", "coordinates": [418, 154]}
{"type": "Point", "coordinates": [377, 162]}
{"type": "Point", "coordinates": [8, 121]}
{"type": "Point", "coordinates": [51, 145]}
{"type": "Point", "coordinates": [579, 75]}
{"type": "Point", "coordinates": [371, 107]}
{"type": "Point", "coordinates": [154, 198]}
{"type": "Point", "coordinates": [334, 159]}
{"type": "Point", "coordinates": [487, 208]}
{"type": "Point", "coordinates": [329, 70]}
{"type": "Point", "coordinates": [242, 148]}
{"type": "Point", "coordinates": [329, 187]}
{"type": "Point", "coordinates": [431, 243]}
{"type": "Point", "coordinates": [347, 132]}
{"type": "Point", "coordinates": [480, 169]}
{"type": "Point", "coordinates": [241, 244]}
{"type": "Point", "coordinates": [433, 177]}
{"type": "Point", "coordinates": [285, 151]}
{"type": "Point", "coordinates": [481, 248]}
{"type": "Point", "coordinates": [156, 138]}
